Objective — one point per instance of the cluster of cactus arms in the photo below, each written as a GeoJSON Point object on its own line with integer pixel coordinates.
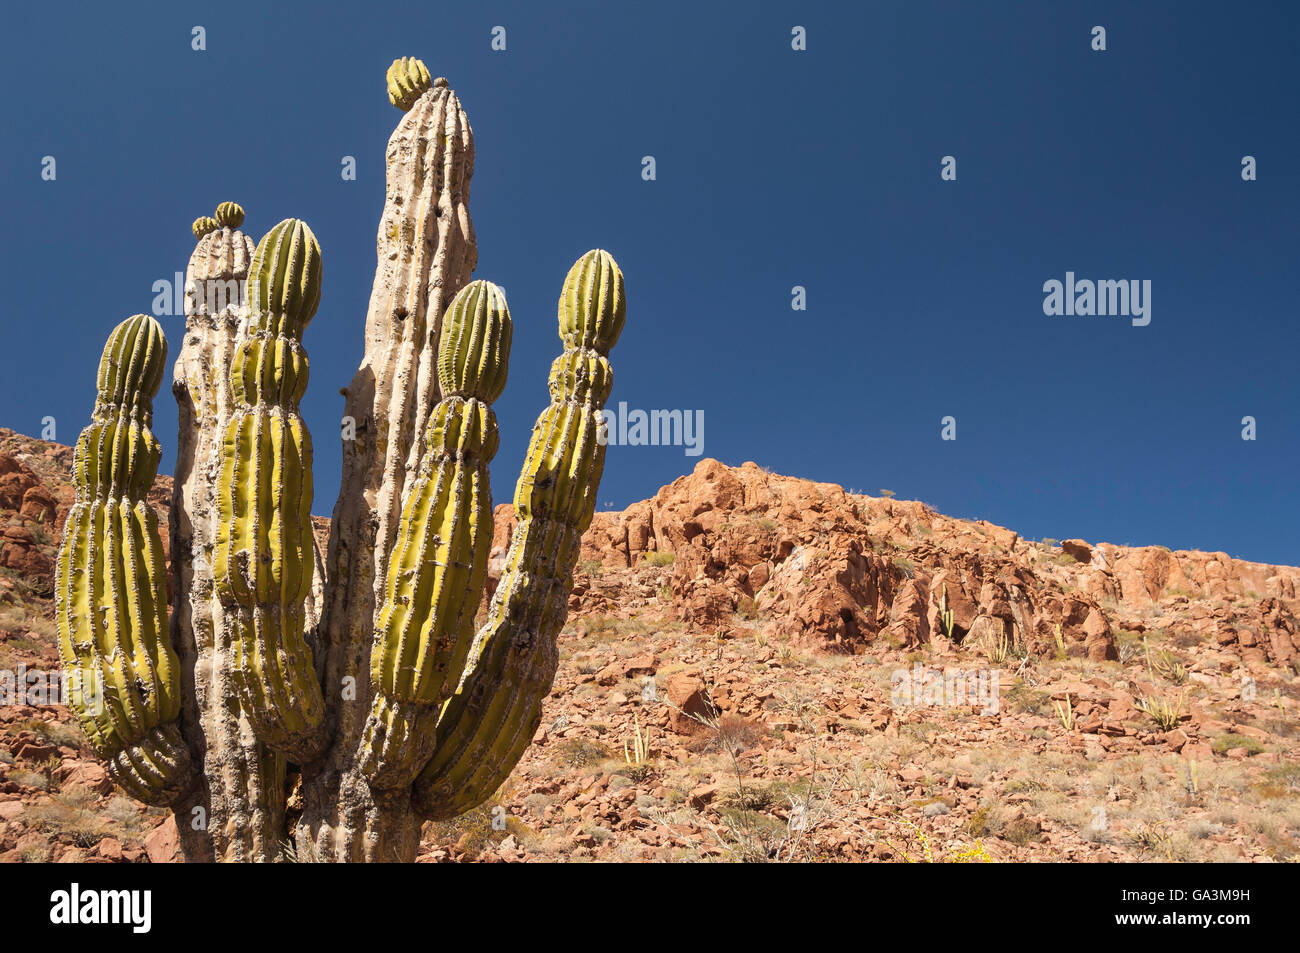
{"type": "Point", "coordinates": [322, 709]}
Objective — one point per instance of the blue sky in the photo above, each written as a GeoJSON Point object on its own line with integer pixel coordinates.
{"type": "Point", "coordinates": [775, 168]}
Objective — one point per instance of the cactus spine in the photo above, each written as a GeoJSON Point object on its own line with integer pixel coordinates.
{"type": "Point", "coordinates": [492, 717]}
{"type": "Point", "coordinates": [263, 568]}
{"type": "Point", "coordinates": [110, 589]}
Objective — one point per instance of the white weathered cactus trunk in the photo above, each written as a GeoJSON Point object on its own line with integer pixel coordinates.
{"type": "Point", "coordinates": [237, 810]}
{"type": "Point", "coordinates": [426, 254]}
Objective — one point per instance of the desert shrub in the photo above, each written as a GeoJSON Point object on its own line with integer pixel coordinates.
{"type": "Point", "coordinates": [598, 624]}
{"type": "Point", "coordinates": [473, 832]}
{"type": "Point", "coordinates": [1229, 740]}
{"type": "Point", "coordinates": [30, 779]}
{"type": "Point", "coordinates": [1031, 701]}
{"type": "Point", "coordinates": [70, 814]}
{"type": "Point", "coordinates": [34, 854]}
{"type": "Point", "coordinates": [1021, 831]}
{"type": "Point", "coordinates": [993, 820]}
{"type": "Point", "coordinates": [581, 753]}
{"type": "Point", "coordinates": [730, 733]}
{"type": "Point", "coordinates": [58, 733]}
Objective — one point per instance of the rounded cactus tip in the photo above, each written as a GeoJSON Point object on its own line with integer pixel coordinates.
{"type": "Point", "coordinates": [285, 273]}
{"type": "Point", "coordinates": [229, 215]}
{"type": "Point", "coordinates": [204, 225]}
{"type": "Point", "coordinates": [408, 80]}
{"type": "Point", "coordinates": [592, 303]}
{"type": "Point", "coordinates": [133, 362]}
{"type": "Point", "coordinates": [474, 347]}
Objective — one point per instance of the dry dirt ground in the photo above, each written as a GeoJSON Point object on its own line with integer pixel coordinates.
{"type": "Point", "coordinates": [740, 680]}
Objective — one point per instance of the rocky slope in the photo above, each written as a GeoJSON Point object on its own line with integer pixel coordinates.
{"type": "Point", "coordinates": [847, 572]}
{"type": "Point", "coordinates": [781, 649]}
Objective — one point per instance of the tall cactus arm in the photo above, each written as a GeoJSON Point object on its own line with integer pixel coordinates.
{"type": "Point", "coordinates": [439, 565]}
{"type": "Point", "coordinates": [425, 254]}
{"type": "Point", "coordinates": [110, 588]}
{"type": "Point", "coordinates": [242, 789]}
{"type": "Point", "coordinates": [491, 718]}
{"type": "Point", "coordinates": [263, 566]}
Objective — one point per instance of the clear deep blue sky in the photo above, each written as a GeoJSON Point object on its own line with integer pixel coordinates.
{"type": "Point", "coordinates": [775, 168]}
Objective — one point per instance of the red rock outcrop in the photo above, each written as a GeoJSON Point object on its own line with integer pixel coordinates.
{"type": "Point", "coordinates": [838, 570]}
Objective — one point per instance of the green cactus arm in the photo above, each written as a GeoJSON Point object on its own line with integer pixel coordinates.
{"type": "Point", "coordinates": [110, 590]}
{"type": "Point", "coordinates": [491, 718]}
{"type": "Point", "coordinates": [263, 564]}
{"type": "Point", "coordinates": [439, 565]}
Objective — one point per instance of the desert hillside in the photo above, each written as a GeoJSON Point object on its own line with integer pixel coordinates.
{"type": "Point", "coordinates": [760, 667]}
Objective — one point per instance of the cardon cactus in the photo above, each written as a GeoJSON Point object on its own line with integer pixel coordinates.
{"type": "Point", "coordinates": [110, 590]}
{"type": "Point", "coordinates": [360, 684]}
